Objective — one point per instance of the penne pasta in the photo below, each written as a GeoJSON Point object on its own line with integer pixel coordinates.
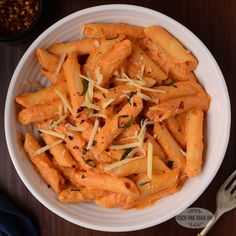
{"type": "Point", "coordinates": [39, 113]}
{"type": "Point", "coordinates": [44, 96]}
{"type": "Point", "coordinates": [176, 90]}
{"type": "Point", "coordinates": [109, 183]}
{"type": "Point", "coordinates": [74, 82]}
{"type": "Point", "coordinates": [51, 76]}
{"type": "Point", "coordinates": [43, 164]}
{"type": "Point", "coordinates": [177, 128]}
{"type": "Point", "coordinates": [112, 200]}
{"type": "Point", "coordinates": [181, 56]}
{"type": "Point", "coordinates": [194, 136]}
{"type": "Point", "coordinates": [59, 152]}
{"type": "Point", "coordinates": [178, 106]}
{"type": "Point", "coordinates": [48, 61]}
{"type": "Point", "coordinates": [110, 31]}
{"type": "Point", "coordinates": [82, 194]}
{"type": "Point", "coordinates": [112, 128]}
{"type": "Point", "coordinates": [169, 145]}
{"type": "Point", "coordinates": [139, 58]}
{"type": "Point", "coordinates": [81, 47]}
{"type": "Point", "coordinates": [110, 61]}
{"type": "Point", "coordinates": [158, 182]}
{"type": "Point", "coordinates": [166, 63]}
{"type": "Point", "coordinates": [138, 166]}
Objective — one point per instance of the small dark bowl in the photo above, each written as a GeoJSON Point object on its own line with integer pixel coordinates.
{"type": "Point", "coordinates": [25, 34]}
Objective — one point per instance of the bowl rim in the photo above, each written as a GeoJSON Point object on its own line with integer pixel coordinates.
{"type": "Point", "coordinates": [7, 125]}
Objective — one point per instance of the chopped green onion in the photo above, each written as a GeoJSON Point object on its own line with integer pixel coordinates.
{"type": "Point", "coordinates": [126, 153]}
{"type": "Point", "coordinates": [85, 84]}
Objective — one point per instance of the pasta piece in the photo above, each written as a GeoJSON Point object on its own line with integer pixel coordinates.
{"type": "Point", "coordinates": [169, 145]}
{"type": "Point", "coordinates": [47, 60]}
{"type": "Point", "coordinates": [112, 128]}
{"type": "Point", "coordinates": [181, 57]}
{"type": "Point", "coordinates": [104, 46]}
{"type": "Point", "coordinates": [110, 61]}
{"type": "Point", "coordinates": [112, 200]}
{"type": "Point", "coordinates": [138, 166]}
{"type": "Point", "coordinates": [194, 134]}
{"type": "Point", "coordinates": [112, 30]}
{"type": "Point", "coordinates": [51, 76]}
{"type": "Point", "coordinates": [81, 47]}
{"type": "Point", "coordinates": [59, 152]}
{"type": "Point", "coordinates": [139, 58]}
{"type": "Point", "coordinates": [176, 90]}
{"type": "Point", "coordinates": [74, 82]}
{"type": "Point", "coordinates": [177, 128]}
{"type": "Point", "coordinates": [82, 194]}
{"type": "Point", "coordinates": [158, 183]}
{"type": "Point", "coordinates": [43, 164]}
{"type": "Point", "coordinates": [157, 150]}
{"type": "Point", "coordinates": [39, 113]}
{"type": "Point", "coordinates": [43, 96]}
{"type": "Point", "coordinates": [161, 58]}
{"type": "Point", "coordinates": [177, 106]}
{"type": "Point", "coordinates": [147, 201]}
{"type": "Point", "coordinates": [107, 182]}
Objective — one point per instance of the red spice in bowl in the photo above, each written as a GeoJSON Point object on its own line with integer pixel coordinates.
{"type": "Point", "coordinates": [17, 17]}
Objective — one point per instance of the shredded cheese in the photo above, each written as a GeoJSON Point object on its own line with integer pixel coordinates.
{"type": "Point", "coordinates": [124, 146]}
{"type": "Point", "coordinates": [65, 101]}
{"type": "Point", "coordinates": [60, 63]}
{"type": "Point", "coordinates": [98, 75]}
{"type": "Point", "coordinates": [120, 163]}
{"type": "Point", "coordinates": [96, 43]}
{"type": "Point", "coordinates": [107, 103]}
{"type": "Point", "coordinates": [47, 147]}
{"type": "Point", "coordinates": [139, 84]}
{"type": "Point", "coordinates": [60, 111]}
{"type": "Point", "coordinates": [98, 115]}
{"type": "Point", "coordinates": [147, 98]}
{"type": "Point", "coordinates": [142, 132]}
{"type": "Point", "coordinates": [57, 122]}
{"type": "Point", "coordinates": [140, 73]}
{"type": "Point", "coordinates": [93, 134]}
{"type": "Point", "coordinates": [91, 106]}
{"type": "Point", "coordinates": [53, 133]}
{"type": "Point", "coordinates": [149, 160]}
{"type": "Point", "coordinates": [89, 93]}
{"type": "Point", "coordinates": [75, 128]}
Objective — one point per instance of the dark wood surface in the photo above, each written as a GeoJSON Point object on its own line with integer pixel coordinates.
{"type": "Point", "coordinates": [214, 22]}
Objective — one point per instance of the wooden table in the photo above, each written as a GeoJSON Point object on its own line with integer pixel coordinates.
{"type": "Point", "coordinates": [214, 22]}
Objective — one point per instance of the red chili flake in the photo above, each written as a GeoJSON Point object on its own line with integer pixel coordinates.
{"type": "Point", "coordinates": [17, 16]}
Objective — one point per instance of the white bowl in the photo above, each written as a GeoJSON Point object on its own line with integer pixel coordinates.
{"type": "Point", "coordinates": [218, 122]}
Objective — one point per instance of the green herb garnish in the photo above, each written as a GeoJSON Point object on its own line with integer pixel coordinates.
{"type": "Point", "coordinates": [144, 183]}
{"type": "Point", "coordinates": [170, 164]}
{"type": "Point", "coordinates": [85, 85]}
{"type": "Point", "coordinates": [170, 84]}
{"type": "Point", "coordinates": [126, 153]}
